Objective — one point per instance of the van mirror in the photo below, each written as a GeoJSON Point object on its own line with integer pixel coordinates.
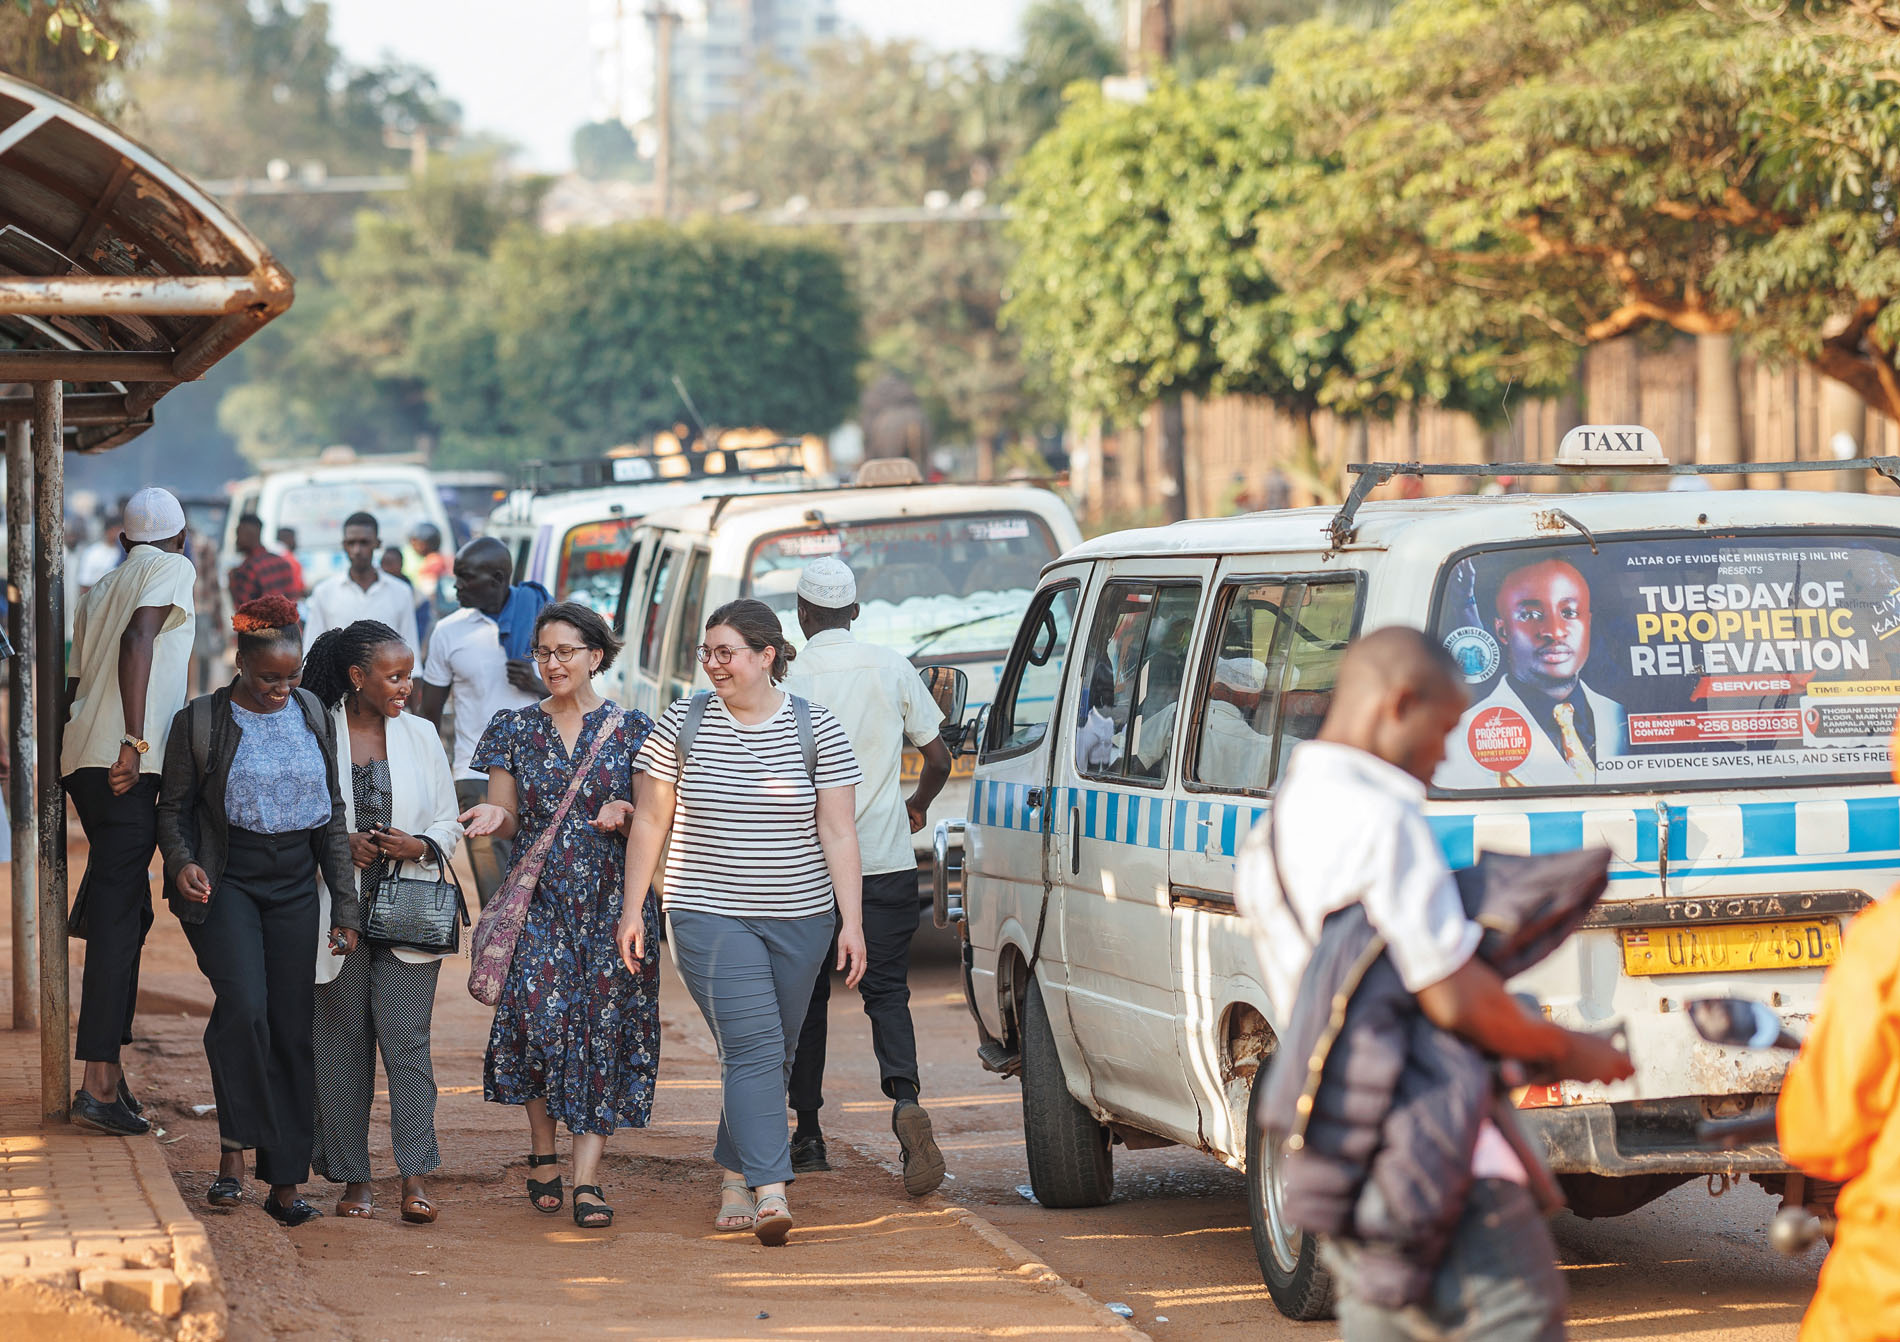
{"type": "Point", "coordinates": [949, 687]}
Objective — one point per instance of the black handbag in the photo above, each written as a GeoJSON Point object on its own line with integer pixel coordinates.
{"type": "Point", "coordinates": [418, 915]}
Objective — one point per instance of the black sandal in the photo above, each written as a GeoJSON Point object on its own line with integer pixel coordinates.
{"type": "Point", "coordinates": [545, 1188]}
{"type": "Point", "coordinates": [599, 1208]}
{"type": "Point", "coordinates": [224, 1192]}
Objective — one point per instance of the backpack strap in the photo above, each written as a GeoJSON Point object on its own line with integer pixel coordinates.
{"type": "Point", "coordinates": [689, 727]}
{"type": "Point", "coordinates": [807, 739]}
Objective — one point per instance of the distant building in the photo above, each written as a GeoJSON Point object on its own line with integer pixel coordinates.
{"type": "Point", "coordinates": [721, 50]}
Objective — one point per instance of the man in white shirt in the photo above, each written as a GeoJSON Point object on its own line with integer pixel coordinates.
{"type": "Point", "coordinates": [880, 700]}
{"type": "Point", "coordinates": [467, 663]}
{"type": "Point", "coordinates": [131, 658]}
{"type": "Point", "coordinates": [364, 592]}
{"type": "Point", "coordinates": [1349, 829]}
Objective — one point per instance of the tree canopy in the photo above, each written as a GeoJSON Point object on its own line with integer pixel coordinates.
{"type": "Point", "coordinates": [1533, 176]}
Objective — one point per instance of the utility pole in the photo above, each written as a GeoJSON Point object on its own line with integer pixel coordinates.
{"type": "Point", "coordinates": [664, 22]}
{"type": "Point", "coordinates": [1150, 42]}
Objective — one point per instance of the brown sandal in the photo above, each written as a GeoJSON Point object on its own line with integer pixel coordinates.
{"type": "Point", "coordinates": [355, 1211]}
{"type": "Point", "coordinates": [418, 1210]}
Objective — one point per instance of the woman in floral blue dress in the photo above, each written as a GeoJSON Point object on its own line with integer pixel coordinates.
{"type": "Point", "coordinates": [576, 1039]}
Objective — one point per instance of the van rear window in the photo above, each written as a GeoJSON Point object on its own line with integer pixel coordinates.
{"type": "Point", "coordinates": [1750, 661]}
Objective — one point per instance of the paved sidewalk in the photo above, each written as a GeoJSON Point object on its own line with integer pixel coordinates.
{"type": "Point", "coordinates": [89, 1221]}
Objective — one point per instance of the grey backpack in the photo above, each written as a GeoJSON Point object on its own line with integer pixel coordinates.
{"type": "Point", "coordinates": [801, 717]}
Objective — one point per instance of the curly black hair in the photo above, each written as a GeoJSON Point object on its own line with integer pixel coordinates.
{"type": "Point", "coordinates": [326, 667]}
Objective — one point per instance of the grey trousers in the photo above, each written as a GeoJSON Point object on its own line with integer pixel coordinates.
{"type": "Point", "coordinates": [488, 856]}
{"type": "Point", "coordinates": [752, 979]}
{"type": "Point", "coordinates": [377, 999]}
{"type": "Point", "coordinates": [1499, 1280]}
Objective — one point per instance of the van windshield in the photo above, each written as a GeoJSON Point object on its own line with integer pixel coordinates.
{"type": "Point", "coordinates": [951, 586]}
{"type": "Point", "coordinates": [1750, 661]}
{"type": "Point", "coordinates": [315, 510]}
{"type": "Point", "coordinates": [592, 556]}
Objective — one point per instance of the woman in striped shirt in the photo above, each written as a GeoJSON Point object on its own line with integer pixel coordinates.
{"type": "Point", "coordinates": [763, 866]}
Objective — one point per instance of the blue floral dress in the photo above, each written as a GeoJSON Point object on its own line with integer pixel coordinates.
{"type": "Point", "coordinates": [572, 1027]}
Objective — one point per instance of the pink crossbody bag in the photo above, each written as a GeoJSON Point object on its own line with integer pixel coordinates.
{"type": "Point", "coordinates": [493, 943]}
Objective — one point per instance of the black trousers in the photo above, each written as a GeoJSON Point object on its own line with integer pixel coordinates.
{"type": "Point", "coordinates": [891, 915]}
{"type": "Point", "coordinates": [258, 946]}
{"type": "Point", "coordinates": [117, 907]}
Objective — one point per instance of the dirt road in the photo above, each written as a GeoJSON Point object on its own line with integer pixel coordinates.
{"type": "Point", "coordinates": [1174, 1244]}
{"type": "Point", "coordinates": [867, 1261]}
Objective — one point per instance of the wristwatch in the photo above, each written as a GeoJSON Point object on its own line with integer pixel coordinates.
{"type": "Point", "coordinates": [141, 746]}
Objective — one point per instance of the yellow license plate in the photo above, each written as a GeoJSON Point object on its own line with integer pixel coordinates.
{"type": "Point", "coordinates": [912, 768]}
{"type": "Point", "coordinates": [1732, 948]}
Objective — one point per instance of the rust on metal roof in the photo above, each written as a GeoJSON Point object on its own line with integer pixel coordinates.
{"type": "Point", "coordinates": [115, 266]}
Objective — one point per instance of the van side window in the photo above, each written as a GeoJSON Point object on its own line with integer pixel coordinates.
{"type": "Point", "coordinates": [1134, 667]}
{"type": "Point", "coordinates": [1319, 632]}
{"type": "Point", "coordinates": [1270, 681]}
{"type": "Point", "coordinates": [656, 609]}
{"type": "Point", "coordinates": [692, 597]}
{"type": "Point", "coordinates": [1027, 699]}
{"type": "Point", "coordinates": [1235, 750]}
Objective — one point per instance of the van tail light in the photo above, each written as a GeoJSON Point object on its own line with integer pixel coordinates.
{"type": "Point", "coordinates": [1538, 1097]}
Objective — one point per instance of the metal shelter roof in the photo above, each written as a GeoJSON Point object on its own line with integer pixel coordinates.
{"type": "Point", "coordinates": [118, 274]}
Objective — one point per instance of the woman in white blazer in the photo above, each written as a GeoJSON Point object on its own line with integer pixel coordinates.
{"type": "Point", "coordinates": [397, 790]}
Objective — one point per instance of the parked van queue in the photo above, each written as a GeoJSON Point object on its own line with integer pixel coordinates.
{"type": "Point", "coordinates": [308, 824]}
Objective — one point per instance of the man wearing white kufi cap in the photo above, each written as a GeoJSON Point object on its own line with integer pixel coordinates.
{"type": "Point", "coordinates": [132, 636]}
{"type": "Point", "coordinates": [880, 700]}
{"type": "Point", "coordinates": [1232, 754]}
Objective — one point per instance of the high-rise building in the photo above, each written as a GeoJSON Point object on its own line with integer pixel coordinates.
{"type": "Point", "coordinates": [723, 52]}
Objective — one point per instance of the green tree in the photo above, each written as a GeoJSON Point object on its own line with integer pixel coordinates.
{"type": "Point", "coordinates": [1532, 176]}
{"type": "Point", "coordinates": [344, 365]}
{"type": "Point", "coordinates": [1063, 43]}
{"type": "Point", "coordinates": [1141, 278]}
{"type": "Point", "coordinates": [887, 125]}
{"type": "Point", "coordinates": [606, 149]}
{"type": "Point", "coordinates": [65, 46]}
{"type": "Point", "coordinates": [569, 344]}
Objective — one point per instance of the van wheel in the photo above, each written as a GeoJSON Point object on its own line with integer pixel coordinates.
{"type": "Point", "coordinates": [1289, 1258]}
{"type": "Point", "coordinates": [1069, 1160]}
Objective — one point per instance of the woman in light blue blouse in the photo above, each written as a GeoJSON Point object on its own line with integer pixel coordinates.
{"type": "Point", "coordinates": [249, 814]}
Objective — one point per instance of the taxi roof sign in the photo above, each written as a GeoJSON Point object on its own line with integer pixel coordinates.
{"type": "Point", "coordinates": [1619, 445]}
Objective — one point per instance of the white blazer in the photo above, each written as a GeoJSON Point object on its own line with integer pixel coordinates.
{"type": "Point", "coordinates": [422, 803]}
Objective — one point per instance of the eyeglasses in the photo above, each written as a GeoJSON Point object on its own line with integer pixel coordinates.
{"type": "Point", "coordinates": [563, 654]}
{"type": "Point", "coordinates": [721, 654]}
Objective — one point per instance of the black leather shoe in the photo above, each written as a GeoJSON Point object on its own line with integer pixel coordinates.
{"type": "Point", "coordinates": [113, 1119]}
{"type": "Point", "coordinates": [292, 1214]}
{"type": "Point", "coordinates": [224, 1192]}
{"type": "Point", "coordinates": [127, 1099]}
{"type": "Point", "coordinates": [808, 1155]}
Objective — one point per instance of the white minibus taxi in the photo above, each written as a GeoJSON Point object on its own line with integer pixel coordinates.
{"type": "Point", "coordinates": [314, 500]}
{"type": "Point", "coordinates": [1731, 673]}
{"type": "Point", "coordinates": [571, 527]}
{"type": "Point", "coordinates": [944, 574]}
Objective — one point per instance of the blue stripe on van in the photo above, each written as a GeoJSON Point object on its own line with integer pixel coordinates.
{"type": "Point", "coordinates": [1144, 819]}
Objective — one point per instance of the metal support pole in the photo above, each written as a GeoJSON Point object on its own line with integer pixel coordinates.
{"type": "Point", "coordinates": [49, 581]}
{"type": "Point", "coordinates": [22, 813]}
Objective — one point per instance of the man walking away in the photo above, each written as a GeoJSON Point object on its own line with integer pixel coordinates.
{"type": "Point", "coordinates": [471, 664]}
{"type": "Point", "coordinates": [878, 697]}
{"type": "Point", "coordinates": [261, 573]}
{"type": "Point", "coordinates": [1349, 830]}
{"type": "Point", "coordinates": [132, 637]}
{"type": "Point", "coordinates": [364, 592]}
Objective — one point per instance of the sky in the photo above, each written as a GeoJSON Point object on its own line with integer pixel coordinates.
{"type": "Point", "coordinates": [533, 81]}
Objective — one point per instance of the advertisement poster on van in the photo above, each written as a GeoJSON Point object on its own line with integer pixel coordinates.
{"type": "Point", "coordinates": [1674, 661]}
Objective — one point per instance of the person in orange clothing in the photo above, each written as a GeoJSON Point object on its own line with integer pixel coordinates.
{"type": "Point", "coordinates": [1836, 1121]}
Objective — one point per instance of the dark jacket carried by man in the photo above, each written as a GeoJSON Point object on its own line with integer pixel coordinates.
{"type": "Point", "coordinates": [1376, 1111]}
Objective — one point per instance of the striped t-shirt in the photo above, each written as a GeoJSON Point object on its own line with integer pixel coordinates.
{"type": "Point", "coordinates": [745, 826]}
